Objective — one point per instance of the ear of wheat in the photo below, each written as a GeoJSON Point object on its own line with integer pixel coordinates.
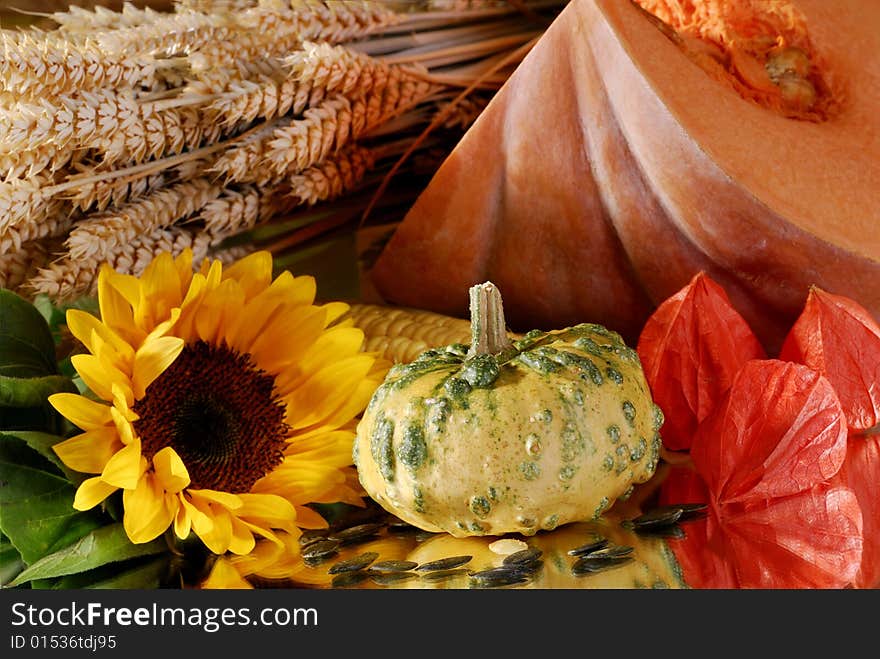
{"type": "Point", "coordinates": [230, 125]}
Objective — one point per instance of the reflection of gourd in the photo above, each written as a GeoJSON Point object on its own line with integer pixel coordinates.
{"type": "Point", "coordinates": [509, 436]}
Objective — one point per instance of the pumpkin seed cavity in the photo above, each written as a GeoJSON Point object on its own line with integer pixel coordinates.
{"type": "Point", "coordinates": [767, 59]}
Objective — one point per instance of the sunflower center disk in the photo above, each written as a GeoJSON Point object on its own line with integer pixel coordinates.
{"type": "Point", "coordinates": [219, 412]}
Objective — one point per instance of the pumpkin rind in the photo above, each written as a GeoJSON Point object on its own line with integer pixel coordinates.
{"type": "Point", "coordinates": [551, 431]}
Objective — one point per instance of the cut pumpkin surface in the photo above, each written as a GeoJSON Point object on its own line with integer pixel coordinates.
{"type": "Point", "coordinates": [639, 144]}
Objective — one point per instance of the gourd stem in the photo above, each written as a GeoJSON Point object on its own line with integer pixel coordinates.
{"type": "Point", "coordinates": [488, 327]}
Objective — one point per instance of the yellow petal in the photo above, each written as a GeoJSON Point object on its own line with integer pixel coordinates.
{"type": "Point", "coordinates": [224, 576]}
{"type": "Point", "coordinates": [148, 512]}
{"type": "Point", "coordinates": [333, 345]}
{"type": "Point", "coordinates": [220, 535]}
{"type": "Point", "coordinates": [170, 470]}
{"type": "Point", "coordinates": [183, 520]}
{"type": "Point", "coordinates": [352, 404]}
{"type": "Point", "coordinates": [183, 265]}
{"type": "Point", "coordinates": [129, 287]}
{"type": "Point", "coordinates": [253, 272]}
{"type": "Point", "coordinates": [165, 326]}
{"type": "Point", "coordinates": [89, 452]}
{"type": "Point", "coordinates": [116, 310]}
{"type": "Point", "coordinates": [100, 376]}
{"type": "Point", "coordinates": [242, 541]}
{"type": "Point", "coordinates": [122, 403]}
{"type": "Point", "coordinates": [189, 308]}
{"type": "Point", "coordinates": [307, 518]}
{"type": "Point", "coordinates": [160, 292]}
{"type": "Point", "coordinates": [297, 291]}
{"type": "Point", "coordinates": [124, 468]}
{"type": "Point", "coordinates": [292, 334]}
{"type": "Point", "coordinates": [225, 499]}
{"type": "Point", "coordinates": [199, 514]}
{"type": "Point", "coordinates": [272, 509]}
{"type": "Point", "coordinates": [213, 271]}
{"type": "Point", "coordinates": [218, 306]}
{"type": "Point", "coordinates": [246, 326]}
{"type": "Point", "coordinates": [335, 310]}
{"type": "Point", "coordinates": [82, 412]}
{"type": "Point", "coordinates": [124, 429]}
{"type": "Point", "coordinates": [325, 391]}
{"type": "Point", "coordinates": [83, 324]}
{"type": "Point", "coordinates": [91, 492]}
{"type": "Point", "coordinates": [152, 359]}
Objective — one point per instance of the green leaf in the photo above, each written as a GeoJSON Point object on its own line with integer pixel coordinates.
{"type": "Point", "coordinates": [10, 562]}
{"type": "Point", "coordinates": [147, 576]}
{"type": "Point", "coordinates": [42, 443]}
{"type": "Point", "coordinates": [38, 515]}
{"type": "Point", "coordinates": [30, 392]}
{"type": "Point", "coordinates": [108, 544]}
{"type": "Point", "coordinates": [26, 346]}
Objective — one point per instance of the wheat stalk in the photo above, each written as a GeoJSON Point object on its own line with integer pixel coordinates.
{"type": "Point", "coordinates": [18, 265]}
{"type": "Point", "coordinates": [31, 67]}
{"type": "Point", "coordinates": [104, 234]}
{"type": "Point", "coordinates": [69, 278]}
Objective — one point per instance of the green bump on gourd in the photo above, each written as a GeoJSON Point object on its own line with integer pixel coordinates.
{"type": "Point", "coordinates": [588, 345]}
{"type": "Point", "coordinates": [480, 371]}
{"type": "Point", "coordinates": [480, 506]}
{"type": "Point", "coordinates": [382, 446]}
{"type": "Point", "coordinates": [613, 433]}
{"type": "Point", "coordinates": [530, 470]}
{"type": "Point", "coordinates": [413, 451]}
{"type": "Point", "coordinates": [657, 417]}
{"type": "Point", "coordinates": [457, 388]}
{"type": "Point", "coordinates": [629, 412]}
{"type": "Point", "coordinates": [614, 375]}
{"type": "Point", "coordinates": [639, 450]}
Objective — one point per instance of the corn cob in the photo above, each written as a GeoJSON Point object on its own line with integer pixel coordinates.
{"type": "Point", "coordinates": [400, 335]}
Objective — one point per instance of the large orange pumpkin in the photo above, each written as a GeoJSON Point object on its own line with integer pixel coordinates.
{"type": "Point", "coordinates": [626, 153]}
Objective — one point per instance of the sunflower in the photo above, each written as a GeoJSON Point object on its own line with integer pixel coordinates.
{"type": "Point", "coordinates": [224, 402]}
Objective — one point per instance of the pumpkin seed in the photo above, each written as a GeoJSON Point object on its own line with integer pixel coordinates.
{"type": "Point", "coordinates": [654, 518]}
{"type": "Point", "coordinates": [618, 551]}
{"type": "Point", "coordinates": [524, 557]}
{"type": "Point", "coordinates": [320, 549]}
{"type": "Point", "coordinates": [444, 564]}
{"type": "Point", "coordinates": [592, 564]}
{"type": "Point", "coordinates": [494, 577]}
{"type": "Point", "coordinates": [443, 575]}
{"type": "Point", "coordinates": [356, 533]}
{"type": "Point", "coordinates": [588, 548]}
{"type": "Point", "coordinates": [393, 566]}
{"type": "Point", "coordinates": [389, 578]}
{"type": "Point", "coordinates": [311, 537]}
{"type": "Point", "coordinates": [348, 579]}
{"type": "Point", "coordinates": [354, 564]}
